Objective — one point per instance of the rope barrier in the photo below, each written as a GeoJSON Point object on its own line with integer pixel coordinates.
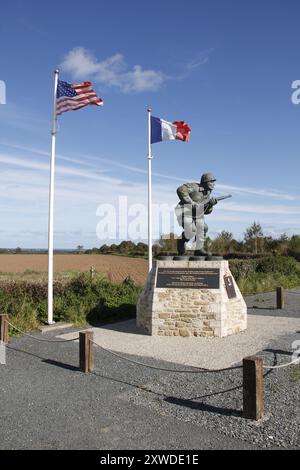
{"type": "Point", "coordinates": [198, 371]}
{"type": "Point", "coordinates": [42, 339]}
{"type": "Point", "coordinates": [184, 371]}
{"type": "Point", "coordinates": [283, 365]}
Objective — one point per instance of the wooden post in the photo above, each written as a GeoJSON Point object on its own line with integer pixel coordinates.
{"type": "Point", "coordinates": [4, 329]}
{"type": "Point", "coordinates": [86, 351]}
{"type": "Point", "coordinates": [253, 388]}
{"type": "Point", "coordinates": [279, 297]}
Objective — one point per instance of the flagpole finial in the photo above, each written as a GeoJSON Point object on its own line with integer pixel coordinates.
{"type": "Point", "coordinates": [56, 71]}
{"type": "Point", "coordinates": [149, 109]}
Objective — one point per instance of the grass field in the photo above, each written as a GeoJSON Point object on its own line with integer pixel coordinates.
{"type": "Point", "coordinates": [34, 267]}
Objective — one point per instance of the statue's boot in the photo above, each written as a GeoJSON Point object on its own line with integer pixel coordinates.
{"type": "Point", "coordinates": [181, 245]}
{"type": "Point", "coordinates": [202, 253]}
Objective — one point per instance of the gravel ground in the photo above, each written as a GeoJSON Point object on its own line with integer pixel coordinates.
{"type": "Point", "coordinates": [46, 403]}
{"type": "Point", "coordinates": [265, 304]}
{"type": "Point", "coordinates": [214, 400]}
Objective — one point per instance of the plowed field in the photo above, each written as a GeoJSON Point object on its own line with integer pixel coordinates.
{"type": "Point", "coordinates": [117, 268]}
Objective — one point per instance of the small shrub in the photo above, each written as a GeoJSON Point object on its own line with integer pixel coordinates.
{"type": "Point", "coordinates": [242, 268]}
{"type": "Point", "coordinates": [278, 264]}
{"type": "Point", "coordinates": [78, 300]}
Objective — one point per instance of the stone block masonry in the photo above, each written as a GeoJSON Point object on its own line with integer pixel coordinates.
{"type": "Point", "coordinates": [183, 310]}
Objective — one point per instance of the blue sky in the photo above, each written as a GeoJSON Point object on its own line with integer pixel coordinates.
{"type": "Point", "coordinates": [225, 67]}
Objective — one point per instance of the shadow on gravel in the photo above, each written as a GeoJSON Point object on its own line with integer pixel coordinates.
{"type": "Point", "coordinates": [121, 323]}
{"type": "Point", "coordinates": [221, 392]}
{"type": "Point", "coordinates": [179, 401]}
{"type": "Point", "coordinates": [46, 360]}
{"type": "Point", "coordinates": [52, 362]}
{"type": "Point", "coordinates": [203, 407]}
{"type": "Point", "coordinates": [274, 312]}
{"type": "Point", "coordinates": [142, 387]}
{"type": "Point", "coordinates": [279, 351]}
{"type": "Point", "coordinates": [257, 307]}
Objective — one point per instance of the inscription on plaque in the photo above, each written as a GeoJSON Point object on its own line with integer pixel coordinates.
{"type": "Point", "coordinates": [188, 278]}
{"type": "Point", "coordinates": [229, 287]}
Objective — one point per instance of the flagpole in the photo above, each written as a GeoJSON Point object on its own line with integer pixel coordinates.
{"type": "Point", "coordinates": [51, 204]}
{"type": "Point", "coordinates": [149, 192]}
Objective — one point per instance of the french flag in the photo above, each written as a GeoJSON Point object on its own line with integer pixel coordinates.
{"type": "Point", "coordinates": [164, 130]}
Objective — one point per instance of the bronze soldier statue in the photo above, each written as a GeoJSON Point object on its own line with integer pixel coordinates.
{"type": "Point", "coordinates": [195, 202]}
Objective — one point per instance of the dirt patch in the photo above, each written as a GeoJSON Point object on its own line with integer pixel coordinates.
{"type": "Point", "coordinates": [117, 268]}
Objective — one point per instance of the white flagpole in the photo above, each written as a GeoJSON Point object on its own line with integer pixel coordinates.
{"type": "Point", "coordinates": [149, 192]}
{"type": "Point", "coordinates": [51, 205]}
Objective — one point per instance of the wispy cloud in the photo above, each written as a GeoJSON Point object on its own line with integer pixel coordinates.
{"type": "Point", "coordinates": [112, 71]}
{"type": "Point", "coordinates": [44, 153]}
{"type": "Point", "coordinates": [21, 162]}
{"type": "Point", "coordinates": [24, 183]}
{"type": "Point", "coordinates": [92, 161]}
{"type": "Point", "coordinates": [279, 210]}
{"type": "Point", "coordinates": [191, 65]}
{"type": "Point", "coordinates": [258, 192]}
{"type": "Point", "coordinates": [12, 115]}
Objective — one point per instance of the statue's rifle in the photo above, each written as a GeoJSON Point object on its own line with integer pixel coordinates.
{"type": "Point", "coordinates": [221, 198]}
{"type": "Point", "coordinates": [214, 201]}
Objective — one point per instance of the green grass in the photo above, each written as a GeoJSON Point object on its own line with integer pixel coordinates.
{"type": "Point", "coordinates": [264, 275]}
{"type": "Point", "coordinates": [78, 300]}
{"type": "Point", "coordinates": [257, 283]}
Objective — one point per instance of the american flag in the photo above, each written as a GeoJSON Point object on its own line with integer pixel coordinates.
{"type": "Point", "coordinates": [75, 96]}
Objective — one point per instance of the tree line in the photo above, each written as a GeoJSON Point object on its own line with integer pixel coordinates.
{"type": "Point", "coordinates": [254, 243]}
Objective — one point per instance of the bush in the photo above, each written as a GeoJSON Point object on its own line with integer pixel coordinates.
{"type": "Point", "coordinates": [242, 268]}
{"type": "Point", "coordinates": [78, 301]}
{"type": "Point", "coordinates": [265, 274]}
{"type": "Point", "coordinates": [279, 264]}
{"type": "Point", "coordinates": [294, 254]}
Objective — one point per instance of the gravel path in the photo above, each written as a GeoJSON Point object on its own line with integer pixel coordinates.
{"type": "Point", "coordinates": [46, 403]}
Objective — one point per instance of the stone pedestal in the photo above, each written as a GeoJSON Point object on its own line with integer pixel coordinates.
{"type": "Point", "coordinates": [191, 298]}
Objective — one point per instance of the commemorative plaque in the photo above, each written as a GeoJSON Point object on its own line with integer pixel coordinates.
{"type": "Point", "coordinates": [188, 278]}
{"type": "Point", "coordinates": [229, 287]}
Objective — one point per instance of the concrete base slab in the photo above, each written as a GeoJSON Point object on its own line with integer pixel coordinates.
{"type": "Point", "coordinates": [55, 326]}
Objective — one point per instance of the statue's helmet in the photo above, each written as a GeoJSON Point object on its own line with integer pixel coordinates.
{"type": "Point", "coordinates": [207, 178]}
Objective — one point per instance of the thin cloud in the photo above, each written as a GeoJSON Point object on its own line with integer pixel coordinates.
{"type": "Point", "coordinates": [14, 116]}
{"type": "Point", "coordinates": [258, 192]}
{"type": "Point", "coordinates": [190, 66]}
{"type": "Point", "coordinates": [44, 153]}
{"type": "Point", "coordinates": [87, 160]}
{"type": "Point", "coordinates": [10, 160]}
{"type": "Point", "coordinates": [259, 208]}
{"type": "Point", "coordinates": [112, 71]}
